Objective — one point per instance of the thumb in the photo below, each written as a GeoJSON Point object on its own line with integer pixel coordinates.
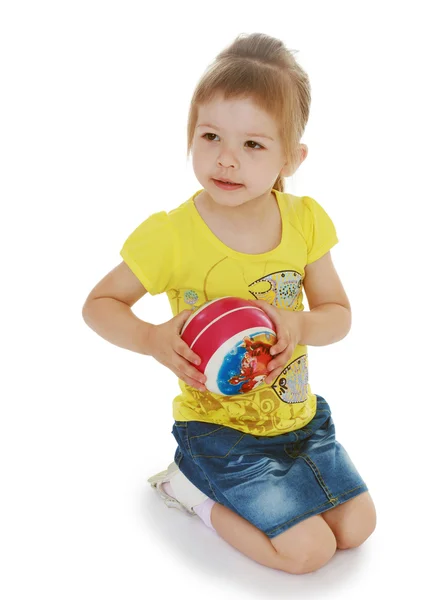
{"type": "Point", "coordinates": [266, 307]}
{"type": "Point", "coordinates": [182, 317]}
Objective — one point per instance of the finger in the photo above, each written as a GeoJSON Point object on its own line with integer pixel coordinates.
{"type": "Point", "coordinates": [280, 361]}
{"type": "Point", "coordinates": [261, 303]}
{"type": "Point", "coordinates": [182, 318]}
{"type": "Point", "coordinates": [267, 308]}
{"type": "Point", "coordinates": [189, 380]}
{"type": "Point", "coordinates": [273, 375]}
{"type": "Point", "coordinates": [277, 365]}
{"type": "Point", "coordinates": [278, 369]}
{"type": "Point", "coordinates": [279, 346]}
{"type": "Point", "coordinates": [274, 314]}
{"type": "Point", "coordinates": [189, 370]}
{"type": "Point", "coordinates": [183, 349]}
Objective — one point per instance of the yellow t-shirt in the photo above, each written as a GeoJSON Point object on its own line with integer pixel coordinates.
{"type": "Point", "coordinates": [177, 253]}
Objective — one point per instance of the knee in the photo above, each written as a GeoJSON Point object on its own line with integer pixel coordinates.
{"type": "Point", "coordinates": [306, 547]}
{"type": "Point", "coordinates": [309, 558]}
{"type": "Point", "coordinates": [358, 531]}
{"type": "Point", "coordinates": [313, 560]}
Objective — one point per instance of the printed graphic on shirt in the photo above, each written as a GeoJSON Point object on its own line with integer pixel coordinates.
{"type": "Point", "coordinates": [263, 409]}
{"type": "Point", "coordinates": [190, 297]}
{"type": "Point", "coordinates": [280, 289]}
{"type": "Point", "coordinates": [291, 385]}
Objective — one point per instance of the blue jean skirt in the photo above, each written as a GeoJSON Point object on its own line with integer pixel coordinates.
{"type": "Point", "coordinates": [273, 482]}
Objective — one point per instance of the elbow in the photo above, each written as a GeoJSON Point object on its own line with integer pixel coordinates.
{"type": "Point", "coordinates": [85, 310]}
{"type": "Point", "coordinates": [348, 320]}
{"type": "Point", "coordinates": [84, 313]}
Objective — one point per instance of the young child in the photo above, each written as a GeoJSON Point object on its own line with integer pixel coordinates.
{"type": "Point", "coordinates": [262, 468]}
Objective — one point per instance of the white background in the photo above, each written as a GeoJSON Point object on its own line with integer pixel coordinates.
{"type": "Point", "coordinates": [94, 100]}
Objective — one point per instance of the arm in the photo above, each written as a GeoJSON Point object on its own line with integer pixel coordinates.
{"type": "Point", "coordinates": [108, 312]}
{"type": "Point", "coordinates": [329, 318]}
{"type": "Point", "coordinates": [325, 324]}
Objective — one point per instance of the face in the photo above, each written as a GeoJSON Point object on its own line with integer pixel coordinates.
{"type": "Point", "coordinates": [237, 141]}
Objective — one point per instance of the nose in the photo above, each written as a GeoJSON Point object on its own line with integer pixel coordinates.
{"type": "Point", "coordinates": [226, 158]}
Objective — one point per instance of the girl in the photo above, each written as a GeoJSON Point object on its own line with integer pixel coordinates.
{"type": "Point", "coordinates": [263, 468]}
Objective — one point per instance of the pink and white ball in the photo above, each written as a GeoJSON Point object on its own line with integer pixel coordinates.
{"type": "Point", "coordinates": [233, 338]}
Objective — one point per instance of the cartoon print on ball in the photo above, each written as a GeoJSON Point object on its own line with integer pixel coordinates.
{"type": "Point", "coordinates": [245, 367]}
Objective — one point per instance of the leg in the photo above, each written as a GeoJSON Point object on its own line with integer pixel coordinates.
{"type": "Point", "coordinates": [352, 522]}
{"type": "Point", "coordinates": [303, 548]}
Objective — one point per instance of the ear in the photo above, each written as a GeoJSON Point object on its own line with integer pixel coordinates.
{"type": "Point", "coordinates": [287, 170]}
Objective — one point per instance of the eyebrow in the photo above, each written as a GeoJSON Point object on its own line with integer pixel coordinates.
{"type": "Point", "coordinates": [262, 135]}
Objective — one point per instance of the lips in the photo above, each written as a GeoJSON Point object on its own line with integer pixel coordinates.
{"type": "Point", "coordinates": [227, 186]}
{"type": "Point", "coordinates": [227, 181]}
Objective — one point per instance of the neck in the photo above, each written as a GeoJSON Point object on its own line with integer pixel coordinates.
{"type": "Point", "coordinates": [252, 212]}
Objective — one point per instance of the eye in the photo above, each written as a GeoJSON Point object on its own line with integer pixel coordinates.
{"type": "Point", "coordinates": [255, 144]}
{"type": "Point", "coordinates": [205, 136]}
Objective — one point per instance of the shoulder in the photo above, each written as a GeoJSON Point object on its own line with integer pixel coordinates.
{"type": "Point", "coordinates": [302, 205]}
{"type": "Point", "coordinates": [297, 209]}
{"type": "Point", "coordinates": [306, 209]}
{"type": "Point", "coordinates": [165, 222]}
{"type": "Point", "coordinates": [152, 226]}
{"type": "Point", "coordinates": [293, 202]}
{"type": "Point", "coordinates": [182, 216]}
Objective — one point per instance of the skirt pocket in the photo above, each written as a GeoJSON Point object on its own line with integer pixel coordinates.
{"type": "Point", "coordinates": [207, 440]}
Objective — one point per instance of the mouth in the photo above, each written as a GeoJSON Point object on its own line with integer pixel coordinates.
{"type": "Point", "coordinates": [227, 181]}
{"type": "Point", "coordinates": [226, 184]}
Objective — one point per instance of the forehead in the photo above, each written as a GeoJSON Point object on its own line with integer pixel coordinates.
{"type": "Point", "coordinates": [239, 114]}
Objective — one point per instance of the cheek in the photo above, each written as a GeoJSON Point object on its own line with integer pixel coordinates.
{"type": "Point", "coordinates": [262, 164]}
{"type": "Point", "coordinates": [196, 161]}
{"type": "Point", "coordinates": [200, 155]}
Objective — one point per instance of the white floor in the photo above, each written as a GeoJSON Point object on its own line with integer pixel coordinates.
{"type": "Point", "coordinates": [101, 532]}
{"type": "Point", "coordinates": [197, 560]}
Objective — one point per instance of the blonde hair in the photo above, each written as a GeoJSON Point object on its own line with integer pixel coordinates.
{"type": "Point", "coordinates": [259, 66]}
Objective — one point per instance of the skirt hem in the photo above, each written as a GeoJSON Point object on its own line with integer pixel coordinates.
{"type": "Point", "coordinates": [341, 499]}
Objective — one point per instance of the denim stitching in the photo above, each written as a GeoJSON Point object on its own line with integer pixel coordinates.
{"type": "Point", "coordinates": [187, 439]}
{"type": "Point", "coordinates": [316, 472]}
{"type": "Point", "coordinates": [209, 484]}
{"type": "Point", "coordinates": [316, 508]}
{"type": "Point", "coordinates": [208, 433]}
{"type": "Point", "coordinates": [318, 475]}
{"type": "Point", "coordinates": [200, 468]}
{"type": "Point", "coordinates": [218, 456]}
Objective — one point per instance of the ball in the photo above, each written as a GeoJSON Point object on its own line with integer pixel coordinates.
{"type": "Point", "coordinates": [233, 338]}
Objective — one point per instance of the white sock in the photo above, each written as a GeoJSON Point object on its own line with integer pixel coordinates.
{"type": "Point", "coordinates": [203, 510]}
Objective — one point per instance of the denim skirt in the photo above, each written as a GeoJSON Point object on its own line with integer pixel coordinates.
{"type": "Point", "coordinates": [273, 482]}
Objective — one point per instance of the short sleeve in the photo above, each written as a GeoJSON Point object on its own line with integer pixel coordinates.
{"type": "Point", "coordinates": [319, 230]}
{"type": "Point", "coordinates": [151, 253]}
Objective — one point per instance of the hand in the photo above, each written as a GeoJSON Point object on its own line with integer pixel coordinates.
{"type": "Point", "coordinates": [169, 349]}
{"type": "Point", "coordinates": [288, 326]}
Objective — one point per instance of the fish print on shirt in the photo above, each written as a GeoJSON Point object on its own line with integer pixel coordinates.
{"type": "Point", "coordinates": [291, 385]}
{"type": "Point", "coordinates": [281, 289]}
